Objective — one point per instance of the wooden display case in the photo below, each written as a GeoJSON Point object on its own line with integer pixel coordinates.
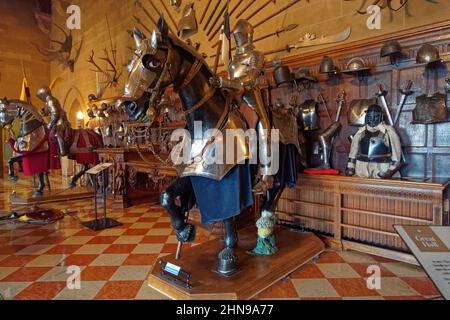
{"type": "Point", "coordinates": [359, 214]}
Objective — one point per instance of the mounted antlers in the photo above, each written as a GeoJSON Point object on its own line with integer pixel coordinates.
{"type": "Point", "coordinates": [62, 54]}
{"type": "Point", "coordinates": [111, 73]}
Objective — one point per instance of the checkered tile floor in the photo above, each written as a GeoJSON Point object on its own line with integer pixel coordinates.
{"type": "Point", "coordinates": [115, 263]}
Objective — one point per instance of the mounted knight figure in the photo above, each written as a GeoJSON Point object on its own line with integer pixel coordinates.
{"type": "Point", "coordinates": [28, 138]}
{"type": "Point", "coordinates": [222, 189]}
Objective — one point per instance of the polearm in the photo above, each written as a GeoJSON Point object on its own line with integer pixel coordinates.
{"type": "Point", "coordinates": [212, 14]}
{"type": "Point", "coordinates": [220, 27]}
{"type": "Point", "coordinates": [236, 7]}
{"type": "Point", "coordinates": [168, 13]}
{"type": "Point", "coordinates": [142, 24]}
{"type": "Point", "coordinates": [276, 33]}
{"type": "Point", "coordinates": [220, 15]}
{"type": "Point", "coordinates": [260, 8]}
{"type": "Point", "coordinates": [215, 22]}
{"type": "Point", "coordinates": [273, 15]}
{"type": "Point", "coordinates": [205, 12]}
{"type": "Point", "coordinates": [244, 9]}
{"type": "Point", "coordinates": [141, 6]}
{"type": "Point", "coordinates": [149, 15]}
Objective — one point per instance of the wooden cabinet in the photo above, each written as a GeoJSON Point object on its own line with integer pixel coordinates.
{"type": "Point", "coordinates": [359, 214]}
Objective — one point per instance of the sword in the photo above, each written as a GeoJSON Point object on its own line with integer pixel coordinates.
{"type": "Point", "coordinates": [405, 94]}
{"type": "Point", "coordinates": [382, 96]}
{"type": "Point", "coordinates": [277, 33]}
{"type": "Point", "coordinates": [260, 8]}
{"type": "Point", "coordinates": [310, 40]}
{"type": "Point", "coordinates": [149, 15]}
{"type": "Point", "coordinates": [304, 43]}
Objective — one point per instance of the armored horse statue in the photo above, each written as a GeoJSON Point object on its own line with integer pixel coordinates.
{"type": "Point", "coordinates": [33, 142]}
{"type": "Point", "coordinates": [28, 140]}
{"type": "Point", "coordinates": [222, 189]}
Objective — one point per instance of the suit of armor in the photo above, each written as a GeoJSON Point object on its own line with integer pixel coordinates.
{"type": "Point", "coordinates": [375, 149]}
{"type": "Point", "coordinates": [245, 69]}
{"type": "Point", "coordinates": [58, 118]}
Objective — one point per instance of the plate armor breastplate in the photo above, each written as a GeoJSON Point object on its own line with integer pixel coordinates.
{"type": "Point", "coordinates": [430, 109]}
{"type": "Point", "coordinates": [357, 111]}
{"type": "Point", "coordinates": [308, 115]}
{"type": "Point", "coordinates": [373, 148]}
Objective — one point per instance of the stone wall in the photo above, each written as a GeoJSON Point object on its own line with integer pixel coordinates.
{"type": "Point", "coordinates": [17, 30]}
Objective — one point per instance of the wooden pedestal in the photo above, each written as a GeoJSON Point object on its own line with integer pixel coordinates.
{"type": "Point", "coordinates": [26, 197]}
{"type": "Point", "coordinates": [256, 274]}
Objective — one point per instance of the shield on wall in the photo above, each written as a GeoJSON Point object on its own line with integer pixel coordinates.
{"type": "Point", "coordinates": [396, 4]}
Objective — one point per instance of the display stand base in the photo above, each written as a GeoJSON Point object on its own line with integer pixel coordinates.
{"type": "Point", "coordinates": [101, 224]}
{"type": "Point", "coordinates": [25, 198]}
{"type": "Point", "coordinates": [256, 273]}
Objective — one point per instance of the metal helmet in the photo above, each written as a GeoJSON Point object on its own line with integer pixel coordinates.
{"type": "Point", "coordinates": [356, 65]}
{"type": "Point", "coordinates": [327, 65]}
{"type": "Point", "coordinates": [92, 97]}
{"type": "Point", "coordinates": [282, 76]}
{"type": "Point", "coordinates": [43, 93]}
{"type": "Point", "coordinates": [303, 74]}
{"type": "Point", "coordinates": [391, 48]}
{"type": "Point", "coordinates": [428, 54]}
{"type": "Point", "coordinates": [188, 26]}
{"type": "Point", "coordinates": [243, 32]}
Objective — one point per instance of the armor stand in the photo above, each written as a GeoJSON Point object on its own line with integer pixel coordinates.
{"type": "Point", "coordinates": [105, 223]}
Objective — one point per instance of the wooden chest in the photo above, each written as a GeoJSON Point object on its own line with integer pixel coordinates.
{"type": "Point", "coordinates": [359, 214]}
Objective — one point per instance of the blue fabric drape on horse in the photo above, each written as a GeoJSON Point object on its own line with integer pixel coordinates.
{"type": "Point", "coordinates": [220, 200]}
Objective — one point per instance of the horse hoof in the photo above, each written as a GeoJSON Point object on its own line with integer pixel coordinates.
{"type": "Point", "coordinates": [14, 179]}
{"type": "Point", "coordinates": [72, 185]}
{"type": "Point", "coordinates": [38, 194]}
{"type": "Point", "coordinates": [187, 234]}
{"type": "Point", "coordinates": [227, 262]}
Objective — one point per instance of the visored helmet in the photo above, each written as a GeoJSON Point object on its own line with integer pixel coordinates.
{"type": "Point", "coordinates": [243, 32]}
{"type": "Point", "coordinates": [374, 115]}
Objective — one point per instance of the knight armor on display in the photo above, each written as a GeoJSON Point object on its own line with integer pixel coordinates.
{"type": "Point", "coordinates": [373, 147]}
{"type": "Point", "coordinates": [357, 111]}
{"type": "Point", "coordinates": [307, 114]}
{"type": "Point", "coordinates": [58, 119]}
{"type": "Point", "coordinates": [431, 109]}
{"type": "Point", "coordinates": [376, 149]}
{"type": "Point", "coordinates": [246, 68]}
